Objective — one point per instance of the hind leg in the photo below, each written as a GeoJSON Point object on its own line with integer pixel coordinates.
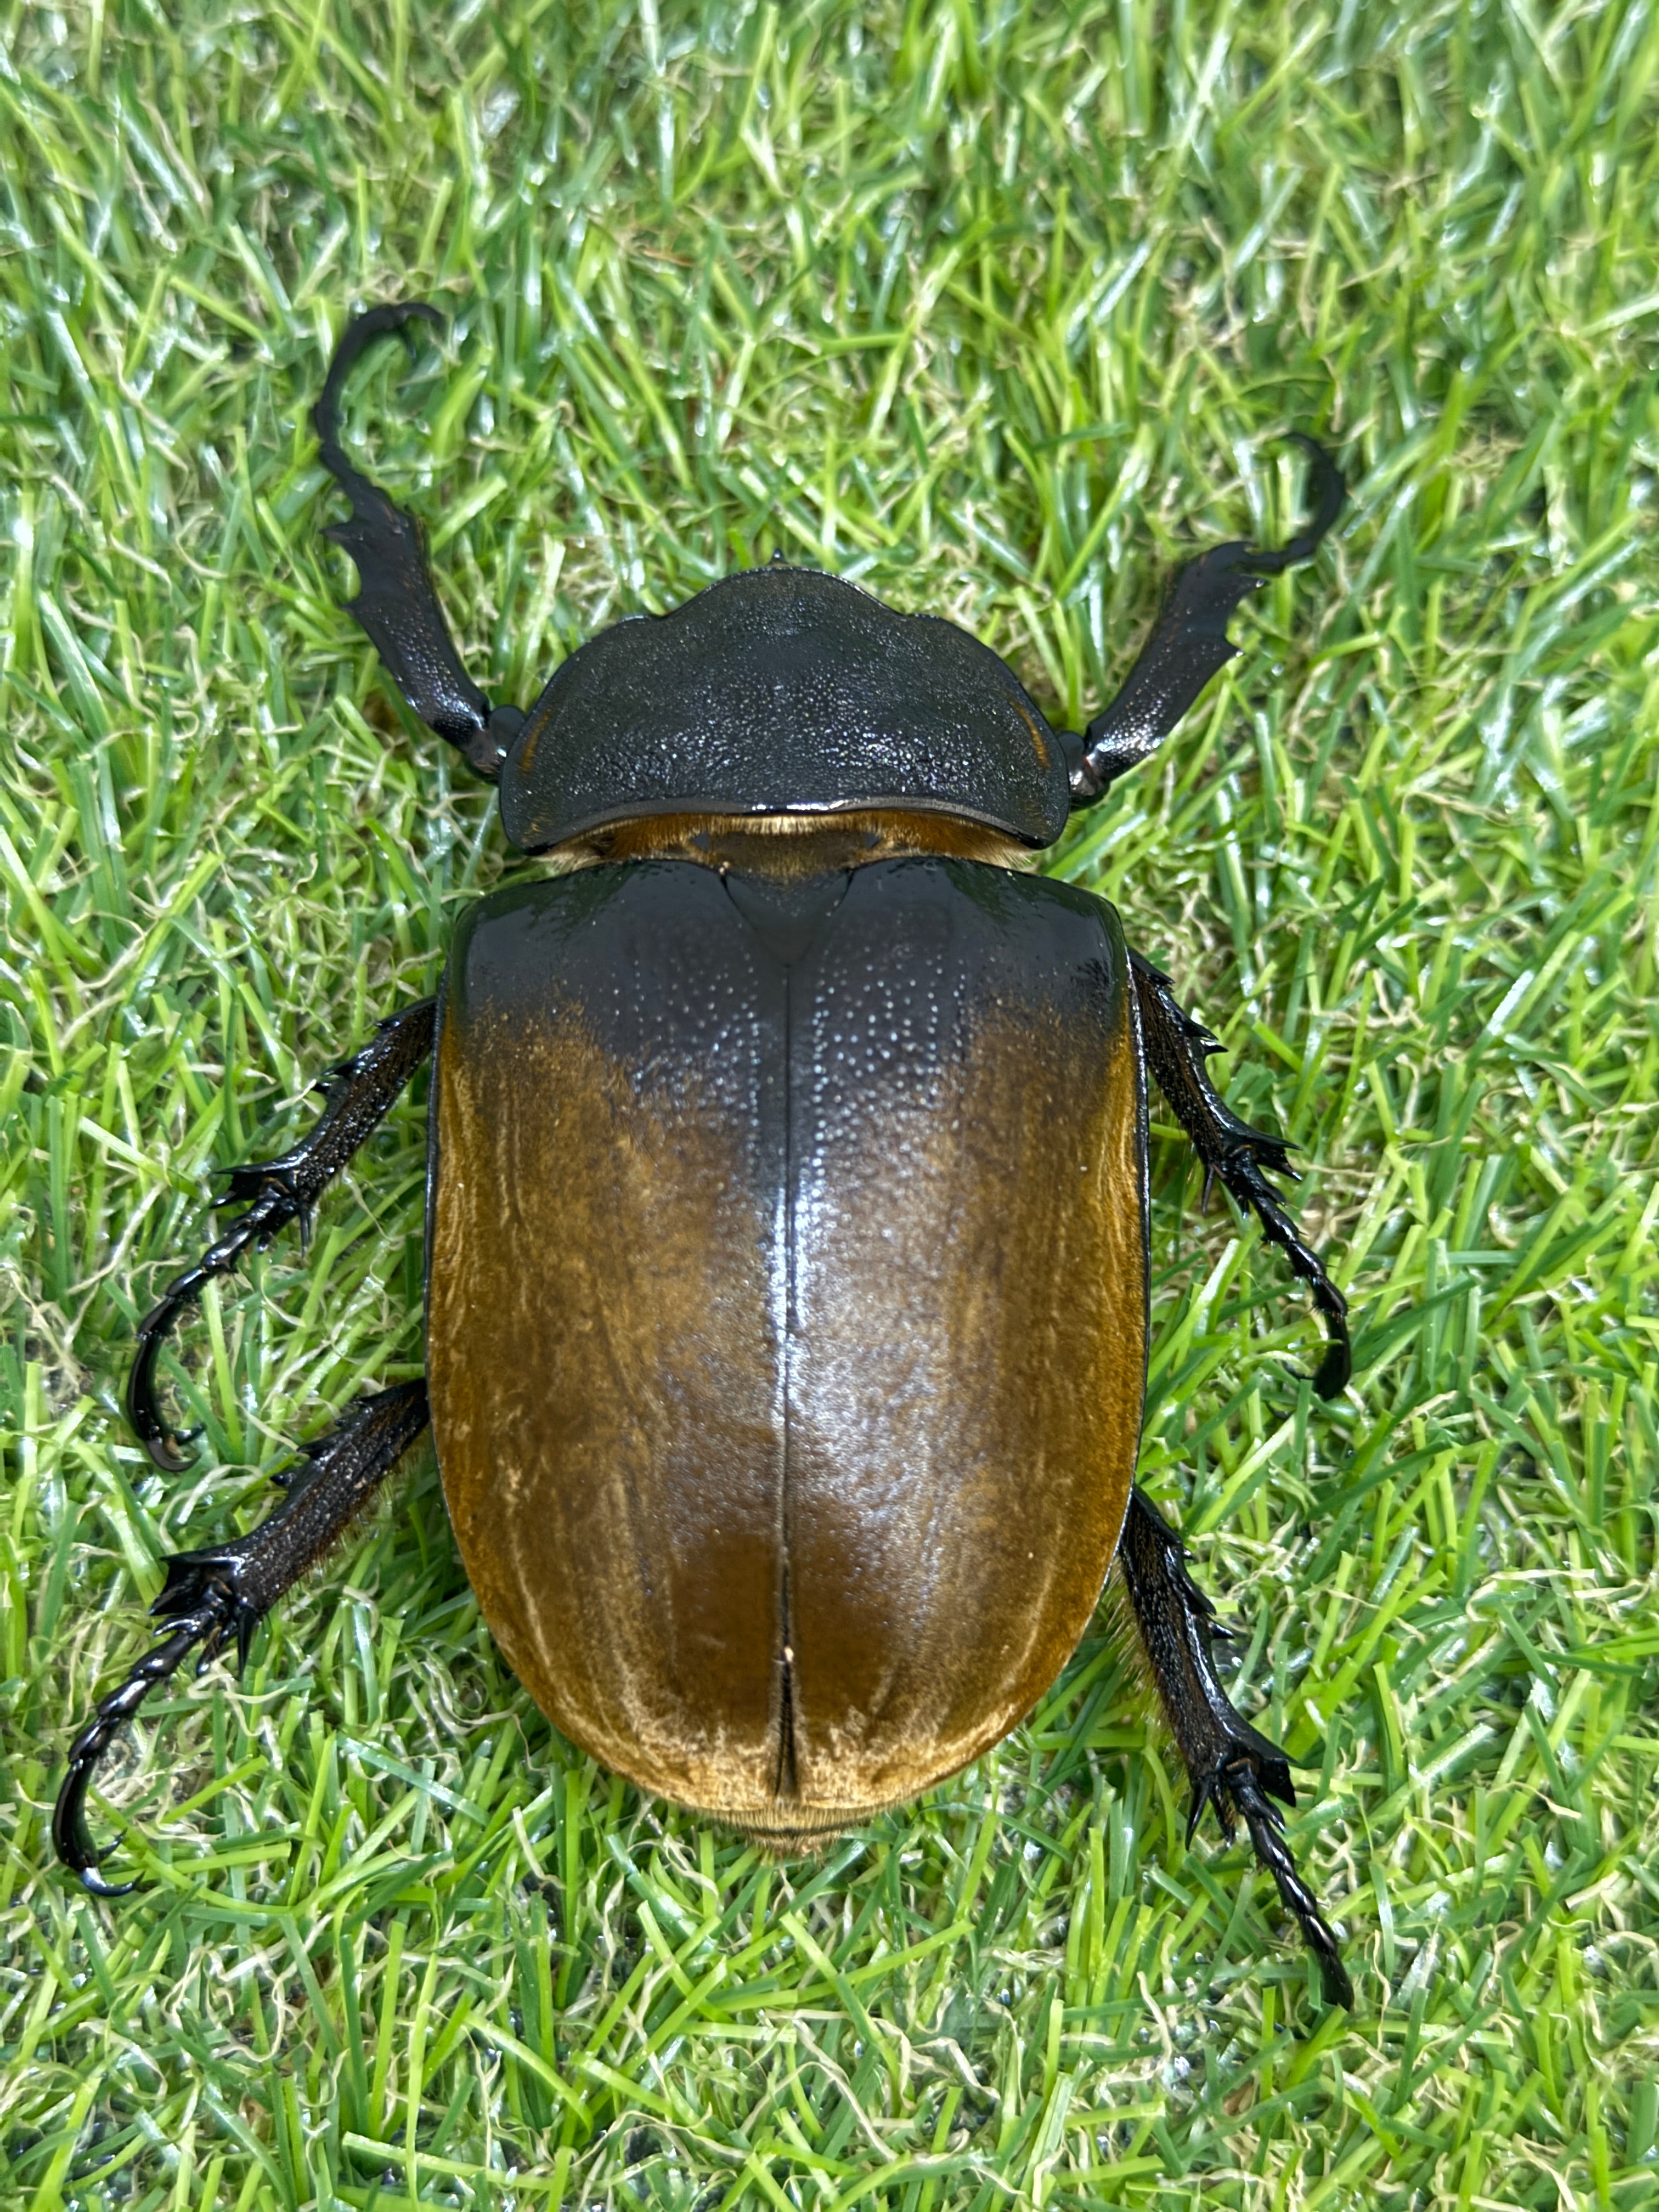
{"type": "Point", "coordinates": [226, 1590]}
{"type": "Point", "coordinates": [1228, 1763]}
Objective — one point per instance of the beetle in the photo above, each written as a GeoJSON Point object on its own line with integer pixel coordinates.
{"type": "Point", "coordinates": [787, 1206]}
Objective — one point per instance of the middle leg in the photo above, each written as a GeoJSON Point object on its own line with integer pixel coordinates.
{"type": "Point", "coordinates": [223, 1592]}
{"type": "Point", "coordinates": [359, 1093]}
{"type": "Point", "coordinates": [1176, 1049]}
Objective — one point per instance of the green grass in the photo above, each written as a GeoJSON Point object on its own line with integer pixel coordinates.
{"type": "Point", "coordinates": [999, 308]}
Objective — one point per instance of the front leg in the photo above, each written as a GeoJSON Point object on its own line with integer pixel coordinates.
{"type": "Point", "coordinates": [1177, 1049]}
{"type": "Point", "coordinates": [395, 603]}
{"type": "Point", "coordinates": [1189, 641]}
{"type": "Point", "coordinates": [1229, 1765]}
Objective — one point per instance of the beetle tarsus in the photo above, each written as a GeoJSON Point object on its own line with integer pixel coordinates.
{"type": "Point", "coordinates": [203, 1627]}
{"type": "Point", "coordinates": [396, 603]}
{"type": "Point", "coordinates": [257, 1226]}
{"type": "Point", "coordinates": [277, 1192]}
{"type": "Point", "coordinates": [355, 339]}
{"type": "Point", "coordinates": [1231, 1765]}
{"type": "Point", "coordinates": [1233, 1153]}
{"type": "Point", "coordinates": [1266, 1824]}
{"type": "Point", "coordinates": [1189, 642]}
{"type": "Point", "coordinates": [224, 1591]}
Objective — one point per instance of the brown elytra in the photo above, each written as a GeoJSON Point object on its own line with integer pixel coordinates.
{"type": "Point", "coordinates": [786, 1389]}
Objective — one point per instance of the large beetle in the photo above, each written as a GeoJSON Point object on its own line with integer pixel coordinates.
{"type": "Point", "coordinates": [786, 1287]}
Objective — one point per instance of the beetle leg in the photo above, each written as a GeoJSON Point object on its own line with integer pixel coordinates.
{"type": "Point", "coordinates": [1177, 1047]}
{"type": "Point", "coordinates": [395, 603]}
{"type": "Point", "coordinates": [1189, 641]}
{"type": "Point", "coordinates": [358, 1091]}
{"type": "Point", "coordinates": [226, 1590]}
{"type": "Point", "coordinates": [1229, 1764]}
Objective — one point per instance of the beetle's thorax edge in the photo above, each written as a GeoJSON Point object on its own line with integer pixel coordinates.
{"type": "Point", "coordinates": [799, 842]}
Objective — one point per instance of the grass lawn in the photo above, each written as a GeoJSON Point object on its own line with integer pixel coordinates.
{"type": "Point", "coordinates": [1001, 309]}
